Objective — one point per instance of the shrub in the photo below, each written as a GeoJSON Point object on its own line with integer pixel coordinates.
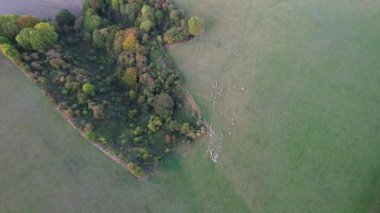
{"type": "Point", "coordinates": [81, 98]}
{"type": "Point", "coordinates": [131, 115]}
{"type": "Point", "coordinates": [196, 26]}
{"type": "Point", "coordinates": [132, 95]}
{"type": "Point", "coordinates": [136, 170]}
{"type": "Point", "coordinates": [98, 112]}
{"type": "Point", "coordinates": [89, 132]}
{"type": "Point", "coordinates": [175, 34]}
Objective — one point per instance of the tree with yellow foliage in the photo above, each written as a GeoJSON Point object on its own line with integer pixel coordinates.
{"type": "Point", "coordinates": [130, 77]}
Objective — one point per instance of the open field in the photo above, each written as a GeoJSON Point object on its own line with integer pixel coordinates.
{"type": "Point", "coordinates": [296, 86]}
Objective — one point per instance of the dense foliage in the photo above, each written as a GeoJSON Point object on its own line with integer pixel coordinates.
{"type": "Point", "coordinates": [108, 72]}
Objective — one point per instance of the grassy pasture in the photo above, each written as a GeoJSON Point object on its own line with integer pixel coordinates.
{"type": "Point", "coordinates": [299, 114]}
{"type": "Point", "coordinates": [304, 78]}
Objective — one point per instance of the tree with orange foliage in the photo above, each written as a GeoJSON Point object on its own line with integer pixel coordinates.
{"type": "Point", "coordinates": [27, 21]}
{"type": "Point", "coordinates": [130, 41]}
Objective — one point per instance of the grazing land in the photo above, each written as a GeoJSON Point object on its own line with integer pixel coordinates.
{"type": "Point", "coordinates": [297, 115]}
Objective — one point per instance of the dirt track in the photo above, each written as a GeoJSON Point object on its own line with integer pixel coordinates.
{"type": "Point", "coordinates": [40, 8]}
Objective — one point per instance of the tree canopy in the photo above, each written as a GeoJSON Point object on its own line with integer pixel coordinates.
{"type": "Point", "coordinates": [42, 36]}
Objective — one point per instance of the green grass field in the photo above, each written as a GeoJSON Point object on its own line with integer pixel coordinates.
{"type": "Point", "coordinates": [297, 114]}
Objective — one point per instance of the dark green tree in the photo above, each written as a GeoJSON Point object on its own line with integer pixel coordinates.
{"type": "Point", "coordinates": [65, 17]}
{"type": "Point", "coordinates": [163, 105]}
{"type": "Point", "coordinates": [8, 26]}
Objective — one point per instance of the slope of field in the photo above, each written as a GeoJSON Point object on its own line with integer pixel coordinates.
{"type": "Point", "coordinates": [40, 8]}
{"type": "Point", "coordinates": [291, 89]}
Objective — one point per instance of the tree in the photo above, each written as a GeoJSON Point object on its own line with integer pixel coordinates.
{"type": "Point", "coordinates": [65, 17]}
{"type": "Point", "coordinates": [42, 36]}
{"type": "Point", "coordinates": [79, 23]}
{"type": "Point", "coordinates": [147, 13]}
{"type": "Point", "coordinates": [8, 26]}
{"type": "Point", "coordinates": [196, 26]}
{"type": "Point", "coordinates": [23, 38]}
{"type": "Point", "coordinates": [158, 16]}
{"type": "Point", "coordinates": [175, 17]}
{"type": "Point", "coordinates": [118, 43]}
{"type": "Point", "coordinates": [154, 124]}
{"type": "Point", "coordinates": [97, 4]}
{"type": "Point", "coordinates": [131, 41]}
{"type": "Point", "coordinates": [103, 38]}
{"type": "Point", "coordinates": [48, 35]}
{"type": "Point", "coordinates": [27, 21]}
{"type": "Point", "coordinates": [130, 77]}
{"type": "Point", "coordinates": [146, 26]}
{"type": "Point", "coordinates": [88, 89]}
{"type": "Point", "coordinates": [132, 11]}
{"type": "Point", "coordinates": [92, 21]}
{"type": "Point", "coordinates": [115, 5]}
{"type": "Point", "coordinates": [163, 105]}
{"type": "Point", "coordinates": [147, 16]}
